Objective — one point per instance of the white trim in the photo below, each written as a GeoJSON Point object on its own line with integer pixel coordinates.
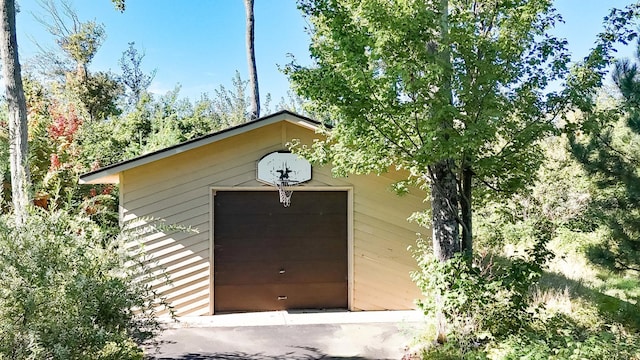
{"type": "Point", "coordinates": [283, 136]}
{"type": "Point", "coordinates": [350, 247]}
{"type": "Point", "coordinates": [212, 196]}
{"type": "Point", "coordinates": [121, 200]}
{"type": "Point", "coordinates": [106, 176]}
{"type": "Point", "coordinates": [350, 231]}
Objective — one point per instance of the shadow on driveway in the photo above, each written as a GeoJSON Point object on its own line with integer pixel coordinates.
{"type": "Point", "coordinates": [313, 354]}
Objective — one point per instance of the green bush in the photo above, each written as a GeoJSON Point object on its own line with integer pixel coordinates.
{"type": "Point", "coordinates": [492, 312]}
{"type": "Point", "coordinates": [65, 292]}
{"type": "Point", "coordinates": [482, 300]}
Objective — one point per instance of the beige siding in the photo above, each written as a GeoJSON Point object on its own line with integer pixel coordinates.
{"type": "Point", "coordinates": [177, 189]}
{"type": "Point", "coordinates": [382, 236]}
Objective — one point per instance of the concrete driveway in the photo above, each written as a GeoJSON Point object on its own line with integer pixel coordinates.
{"type": "Point", "coordinates": [288, 335]}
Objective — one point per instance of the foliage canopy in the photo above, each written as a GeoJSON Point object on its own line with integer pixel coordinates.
{"type": "Point", "coordinates": [608, 149]}
{"type": "Point", "coordinates": [378, 73]}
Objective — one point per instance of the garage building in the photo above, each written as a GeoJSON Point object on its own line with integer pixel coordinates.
{"type": "Point", "coordinates": [342, 242]}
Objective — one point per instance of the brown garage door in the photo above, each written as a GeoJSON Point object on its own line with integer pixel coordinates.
{"type": "Point", "coordinates": [268, 257]}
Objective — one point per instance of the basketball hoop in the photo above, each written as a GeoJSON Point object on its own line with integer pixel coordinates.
{"type": "Point", "coordinates": [283, 170]}
{"type": "Point", "coordinates": [285, 191]}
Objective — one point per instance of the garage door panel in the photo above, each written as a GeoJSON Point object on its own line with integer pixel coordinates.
{"type": "Point", "coordinates": [255, 237]}
{"type": "Point", "coordinates": [274, 226]}
{"type": "Point", "coordinates": [308, 239]}
{"type": "Point", "coordinates": [280, 297]}
{"type": "Point", "coordinates": [243, 273]}
{"type": "Point", "coordinates": [299, 244]}
{"type": "Point", "coordinates": [261, 202]}
{"type": "Point", "coordinates": [322, 249]}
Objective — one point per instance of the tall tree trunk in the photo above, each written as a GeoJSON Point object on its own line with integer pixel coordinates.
{"type": "Point", "coordinates": [446, 239]}
{"type": "Point", "coordinates": [444, 185]}
{"type": "Point", "coordinates": [251, 58]}
{"type": "Point", "coordinates": [20, 177]}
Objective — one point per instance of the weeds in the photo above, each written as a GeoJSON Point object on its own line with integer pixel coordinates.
{"type": "Point", "coordinates": [533, 306]}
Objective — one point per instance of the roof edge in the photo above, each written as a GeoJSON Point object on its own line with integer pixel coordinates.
{"type": "Point", "coordinates": [108, 174]}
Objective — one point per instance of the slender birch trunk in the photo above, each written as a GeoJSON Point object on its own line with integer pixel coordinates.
{"type": "Point", "coordinates": [20, 177]}
{"type": "Point", "coordinates": [251, 58]}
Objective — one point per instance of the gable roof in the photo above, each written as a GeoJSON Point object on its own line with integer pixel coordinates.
{"type": "Point", "coordinates": [111, 174]}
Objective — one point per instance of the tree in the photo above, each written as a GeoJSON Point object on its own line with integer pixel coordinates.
{"type": "Point", "coordinates": [79, 41]}
{"type": "Point", "coordinates": [251, 59]}
{"type": "Point", "coordinates": [451, 91]}
{"type": "Point", "coordinates": [119, 5]}
{"type": "Point", "coordinates": [132, 77]}
{"type": "Point", "coordinates": [608, 149]}
{"type": "Point", "coordinates": [18, 149]}
{"type": "Point", "coordinates": [97, 94]}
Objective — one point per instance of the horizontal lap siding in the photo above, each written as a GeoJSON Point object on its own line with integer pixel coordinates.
{"type": "Point", "coordinates": [177, 190]}
{"type": "Point", "coordinates": [382, 236]}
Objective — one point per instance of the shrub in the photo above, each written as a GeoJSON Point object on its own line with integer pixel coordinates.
{"type": "Point", "coordinates": [65, 292]}
{"type": "Point", "coordinates": [482, 300]}
{"type": "Point", "coordinates": [492, 312]}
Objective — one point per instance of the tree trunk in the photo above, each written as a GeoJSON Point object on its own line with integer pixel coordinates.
{"type": "Point", "coordinates": [20, 177]}
{"type": "Point", "coordinates": [465, 207]}
{"type": "Point", "coordinates": [446, 240]}
{"type": "Point", "coordinates": [251, 58]}
{"type": "Point", "coordinates": [444, 186]}
{"type": "Point", "coordinates": [444, 204]}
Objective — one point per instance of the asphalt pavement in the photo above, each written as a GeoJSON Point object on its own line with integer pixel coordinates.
{"type": "Point", "coordinates": [295, 336]}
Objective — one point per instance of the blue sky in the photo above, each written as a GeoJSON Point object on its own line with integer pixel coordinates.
{"type": "Point", "coordinates": [201, 43]}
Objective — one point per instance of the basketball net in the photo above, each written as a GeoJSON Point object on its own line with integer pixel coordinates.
{"type": "Point", "coordinates": [284, 188]}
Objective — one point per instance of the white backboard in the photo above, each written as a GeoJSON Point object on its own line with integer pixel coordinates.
{"type": "Point", "coordinates": [283, 166]}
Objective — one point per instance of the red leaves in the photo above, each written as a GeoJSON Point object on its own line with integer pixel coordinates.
{"type": "Point", "coordinates": [64, 123]}
{"type": "Point", "coordinates": [55, 162]}
{"type": "Point", "coordinates": [62, 129]}
{"type": "Point", "coordinates": [107, 190]}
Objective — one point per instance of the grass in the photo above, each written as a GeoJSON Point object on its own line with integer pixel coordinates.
{"type": "Point", "coordinates": [587, 313]}
{"type": "Point", "coordinates": [572, 279]}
